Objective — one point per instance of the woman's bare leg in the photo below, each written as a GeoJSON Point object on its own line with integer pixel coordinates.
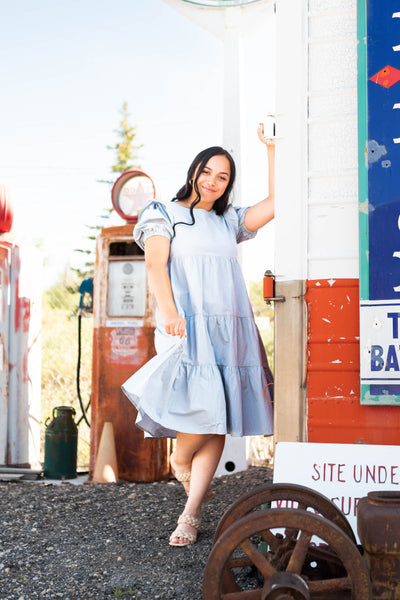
{"type": "Point", "coordinates": [200, 454]}
{"type": "Point", "coordinates": [187, 444]}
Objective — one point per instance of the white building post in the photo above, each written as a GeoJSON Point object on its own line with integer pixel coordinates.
{"type": "Point", "coordinates": [231, 21]}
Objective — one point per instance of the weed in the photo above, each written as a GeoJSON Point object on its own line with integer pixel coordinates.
{"type": "Point", "coordinates": [121, 593]}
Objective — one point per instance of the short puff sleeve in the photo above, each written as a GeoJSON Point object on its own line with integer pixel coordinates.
{"type": "Point", "coordinates": [153, 220]}
{"type": "Point", "coordinates": [235, 216]}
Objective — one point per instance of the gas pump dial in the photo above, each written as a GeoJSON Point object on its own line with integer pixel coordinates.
{"type": "Point", "coordinates": [131, 192]}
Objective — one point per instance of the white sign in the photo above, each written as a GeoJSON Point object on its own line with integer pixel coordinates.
{"type": "Point", "coordinates": [126, 288]}
{"type": "Point", "coordinates": [344, 473]}
{"type": "Point", "coordinates": [380, 348]}
{"type": "Point", "coordinates": [124, 323]}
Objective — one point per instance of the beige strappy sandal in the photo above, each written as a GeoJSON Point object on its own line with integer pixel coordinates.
{"type": "Point", "coordinates": [185, 478]}
{"type": "Point", "coordinates": [182, 534]}
{"type": "Point", "coordinates": [182, 477]}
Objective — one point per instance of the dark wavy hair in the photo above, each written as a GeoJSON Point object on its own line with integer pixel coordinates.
{"type": "Point", "coordinates": [199, 163]}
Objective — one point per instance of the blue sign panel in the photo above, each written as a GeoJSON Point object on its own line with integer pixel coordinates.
{"type": "Point", "coordinates": [380, 270]}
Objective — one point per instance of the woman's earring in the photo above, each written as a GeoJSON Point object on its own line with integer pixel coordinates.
{"type": "Point", "coordinates": [190, 181]}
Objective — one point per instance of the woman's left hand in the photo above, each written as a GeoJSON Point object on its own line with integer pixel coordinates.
{"type": "Point", "coordinates": [262, 213]}
{"type": "Point", "coordinates": [260, 133]}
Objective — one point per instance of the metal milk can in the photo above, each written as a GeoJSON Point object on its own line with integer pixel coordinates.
{"type": "Point", "coordinates": [378, 524]}
{"type": "Point", "coordinates": [61, 444]}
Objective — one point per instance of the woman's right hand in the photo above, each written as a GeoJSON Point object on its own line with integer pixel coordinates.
{"type": "Point", "coordinates": [175, 326]}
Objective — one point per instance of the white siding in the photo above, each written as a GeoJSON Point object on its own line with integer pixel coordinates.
{"type": "Point", "coordinates": [291, 146]}
{"type": "Point", "coordinates": [332, 215]}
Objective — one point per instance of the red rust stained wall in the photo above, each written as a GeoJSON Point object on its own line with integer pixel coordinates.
{"type": "Point", "coordinates": [334, 413]}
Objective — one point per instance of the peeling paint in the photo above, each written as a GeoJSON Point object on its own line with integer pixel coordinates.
{"type": "Point", "coordinates": [21, 371]}
{"type": "Point", "coordinates": [375, 151]}
{"type": "Point", "coordinates": [326, 320]}
{"type": "Point", "coordinates": [366, 207]}
{"type": "Point", "coordinates": [25, 304]}
{"type": "Point", "coordinates": [384, 397]}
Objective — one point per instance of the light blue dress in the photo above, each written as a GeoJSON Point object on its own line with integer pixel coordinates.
{"type": "Point", "coordinates": [216, 380]}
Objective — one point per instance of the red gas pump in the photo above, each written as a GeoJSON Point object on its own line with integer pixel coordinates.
{"type": "Point", "coordinates": [20, 350]}
{"type": "Point", "coordinates": [124, 323]}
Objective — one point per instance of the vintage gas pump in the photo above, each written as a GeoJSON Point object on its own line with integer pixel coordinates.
{"type": "Point", "coordinates": [20, 351]}
{"type": "Point", "coordinates": [124, 324]}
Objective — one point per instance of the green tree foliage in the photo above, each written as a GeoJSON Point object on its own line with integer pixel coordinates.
{"type": "Point", "coordinates": [125, 148]}
{"type": "Point", "coordinates": [63, 293]}
{"type": "Point", "coordinates": [125, 151]}
{"type": "Point", "coordinates": [264, 315]}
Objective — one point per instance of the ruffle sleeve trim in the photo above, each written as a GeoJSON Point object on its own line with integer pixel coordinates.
{"type": "Point", "coordinates": [235, 215]}
{"type": "Point", "coordinates": [153, 220]}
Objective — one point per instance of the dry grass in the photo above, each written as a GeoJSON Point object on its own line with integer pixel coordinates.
{"type": "Point", "coordinates": [59, 365]}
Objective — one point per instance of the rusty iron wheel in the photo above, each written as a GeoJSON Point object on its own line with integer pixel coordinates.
{"type": "Point", "coordinates": [285, 586]}
{"type": "Point", "coordinates": [251, 551]}
{"type": "Point", "coordinates": [303, 496]}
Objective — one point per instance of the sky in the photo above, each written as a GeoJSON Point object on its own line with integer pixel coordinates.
{"type": "Point", "coordinates": [67, 68]}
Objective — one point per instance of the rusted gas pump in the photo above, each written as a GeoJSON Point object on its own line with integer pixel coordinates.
{"type": "Point", "coordinates": [20, 345]}
{"type": "Point", "coordinates": [123, 314]}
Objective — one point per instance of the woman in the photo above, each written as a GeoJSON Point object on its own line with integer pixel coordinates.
{"type": "Point", "coordinates": [210, 376]}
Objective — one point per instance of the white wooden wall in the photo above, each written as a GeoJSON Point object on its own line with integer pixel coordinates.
{"type": "Point", "coordinates": [332, 139]}
{"type": "Point", "coordinates": [317, 203]}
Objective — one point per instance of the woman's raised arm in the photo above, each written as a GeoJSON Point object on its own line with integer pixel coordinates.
{"type": "Point", "coordinates": [262, 213]}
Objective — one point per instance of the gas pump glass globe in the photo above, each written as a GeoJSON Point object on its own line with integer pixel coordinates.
{"type": "Point", "coordinates": [130, 194]}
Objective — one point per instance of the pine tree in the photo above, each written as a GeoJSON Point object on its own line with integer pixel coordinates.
{"type": "Point", "coordinates": [125, 148]}
{"type": "Point", "coordinates": [125, 158]}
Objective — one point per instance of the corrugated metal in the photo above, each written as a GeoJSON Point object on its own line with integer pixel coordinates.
{"type": "Point", "coordinates": [333, 368]}
{"type": "Point", "coordinates": [20, 353]}
{"type": "Point", "coordinates": [25, 358]}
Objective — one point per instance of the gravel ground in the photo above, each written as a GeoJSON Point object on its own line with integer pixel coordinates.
{"type": "Point", "coordinates": [78, 542]}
